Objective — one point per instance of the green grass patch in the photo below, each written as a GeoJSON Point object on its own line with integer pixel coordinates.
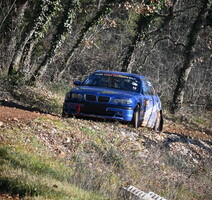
{"type": "Point", "coordinates": [31, 163]}
{"type": "Point", "coordinates": [29, 169]}
{"type": "Point", "coordinates": [88, 131]}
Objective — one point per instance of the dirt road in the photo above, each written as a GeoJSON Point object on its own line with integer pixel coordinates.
{"type": "Point", "coordinates": [12, 115]}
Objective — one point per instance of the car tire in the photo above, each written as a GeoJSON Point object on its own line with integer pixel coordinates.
{"type": "Point", "coordinates": [136, 117]}
{"type": "Point", "coordinates": [158, 127]}
{"type": "Point", "coordinates": [64, 114]}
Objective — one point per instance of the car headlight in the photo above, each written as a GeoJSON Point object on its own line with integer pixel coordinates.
{"type": "Point", "coordinates": [67, 96]}
{"type": "Point", "coordinates": [122, 101]}
{"type": "Point", "coordinates": [76, 96]}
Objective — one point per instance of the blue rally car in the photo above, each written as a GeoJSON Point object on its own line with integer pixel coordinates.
{"type": "Point", "coordinates": [116, 95]}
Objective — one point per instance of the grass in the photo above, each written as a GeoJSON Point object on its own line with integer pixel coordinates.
{"type": "Point", "coordinates": [42, 98]}
{"type": "Point", "coordinates": [97, 162]}
{"type": "Point", "coordinates": [30, 170]}
{"type": "Point", "coordinates": [37, 162]}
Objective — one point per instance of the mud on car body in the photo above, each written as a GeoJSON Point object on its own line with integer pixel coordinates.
{"type": "Point", "coordinates": [115, 95]}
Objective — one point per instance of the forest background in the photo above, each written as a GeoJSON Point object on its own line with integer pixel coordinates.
{"type": "Point", "coordinates": [169, 41]}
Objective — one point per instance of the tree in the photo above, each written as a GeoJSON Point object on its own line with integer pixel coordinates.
{"type": "Point", "coordinates": [167, 40]}
{"type": "Point", "coordinates": [142, 24]}
{"type": "Point", "coordinates": [88, 25]}
{"type": "Point", "coordinates": [9, 33]}
{"type": "Point", "coordinates": [44, 12]}
{"type": "Point", "coordinates": [63, 29]}
{"type": "Point", "coordinates": [147, 12]}
{"type": "Point", "coordinates": [188, 57]}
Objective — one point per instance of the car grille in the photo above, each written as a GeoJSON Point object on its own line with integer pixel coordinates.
{"type": "Point", "coordinates": [103, 99]}
{"type": "Point", "coordinates": [90, 97]}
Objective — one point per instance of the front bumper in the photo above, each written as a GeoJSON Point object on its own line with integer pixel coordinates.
{"type": "Point", "coordinates": [110, 111]}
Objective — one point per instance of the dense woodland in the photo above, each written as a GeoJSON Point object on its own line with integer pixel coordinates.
{"type": "Point", "coordinates": [169, 41]}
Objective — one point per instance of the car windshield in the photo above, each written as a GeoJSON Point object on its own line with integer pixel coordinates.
{"type": "Point", "coordinates": [110, 80]}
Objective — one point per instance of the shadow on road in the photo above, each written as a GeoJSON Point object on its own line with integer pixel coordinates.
{"type": "Point", "coordinates": [176, 137]}
{"type": "Point", "coordinates": [22, 107]}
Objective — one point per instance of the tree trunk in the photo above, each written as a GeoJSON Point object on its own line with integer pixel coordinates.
{"type": "Point", "coordinates": [46, 11]}
{"type": "Point", "coordinates": [142, 25]}
{"type": "Point", "coordinates": [188, 54]}
{"type": "Point", "coordinates": [15, 35]}
{"type": "Point", "coordinates": [14, 66]}
{"type": "Point", "coordinates": [26, 59]}
{"type": "Point", "coordinates": [8, 14]}
{"type": "Point", "coordinates": [58, 39]}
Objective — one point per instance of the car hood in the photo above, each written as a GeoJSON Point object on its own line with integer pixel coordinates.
{"type": "Point", "coordinates": [104, 91]}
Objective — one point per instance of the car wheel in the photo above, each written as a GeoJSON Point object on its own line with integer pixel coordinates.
{"type": "Point", "coordinates": [64, 114]}
{"type": "Point", "coordinates": [136, 117]}
{"type": "Point", "coordinates": [159, 122]}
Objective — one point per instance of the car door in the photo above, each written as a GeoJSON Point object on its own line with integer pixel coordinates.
{"type": "Point", "coordinates": [148, 102]}
{"type": "Point", "coordinates": [155, 100]}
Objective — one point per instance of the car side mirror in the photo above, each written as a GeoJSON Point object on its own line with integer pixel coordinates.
{"type": "Point", "coordinates": [77, 83]}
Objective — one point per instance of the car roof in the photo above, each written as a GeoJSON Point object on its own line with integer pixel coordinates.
{"type": "Point", "coordinates": [120, 73]}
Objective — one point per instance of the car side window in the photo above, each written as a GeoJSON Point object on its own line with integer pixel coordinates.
{"type": "Point", "coordinates": [151, 89]}
{"type": "Point", "coordinates": [145, 87]}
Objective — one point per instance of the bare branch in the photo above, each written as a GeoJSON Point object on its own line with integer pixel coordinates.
{"type": "Point", "coordinates": [161, 39]}
{"type": "Point", "coordinates": [11, 7]}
